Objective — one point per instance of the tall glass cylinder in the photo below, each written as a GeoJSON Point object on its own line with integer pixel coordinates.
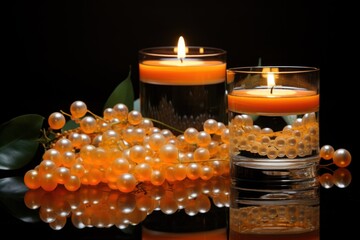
{"type": "Point", "coordinates": [274, 149]}
{"type": "Point", "coordinates": [183, 92]}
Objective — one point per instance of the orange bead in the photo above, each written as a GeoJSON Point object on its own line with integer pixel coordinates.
{"type": "Point", "coordinates": [32, 179]}
{"type": "Point", "coordinates": [342, 157]}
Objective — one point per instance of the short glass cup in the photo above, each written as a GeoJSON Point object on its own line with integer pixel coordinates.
{"type": "Point", "coordinates": [273, 117]}
{"type": "Point", "coordinates": [183, 92]}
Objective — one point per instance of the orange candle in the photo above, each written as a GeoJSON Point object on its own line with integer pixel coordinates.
{"type": "Point", "coordinates": [183, 69]}
{"type": "Point", "coordinates": [186, 72]}
{"type": "Point", "coordinates": [276, 101]}
{"type": "Point", "coordinates": [273, 99]}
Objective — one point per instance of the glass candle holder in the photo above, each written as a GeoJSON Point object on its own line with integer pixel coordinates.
{"type": "Point", "coordinates": [274, 149]}
{"type": "Point", "coordinates": [183, 92]}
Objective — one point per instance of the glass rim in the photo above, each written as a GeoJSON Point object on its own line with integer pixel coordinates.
{"type": "Point", "coordinates": [168, 51]}
{"type": "Point", "coordinates": [283, 69]}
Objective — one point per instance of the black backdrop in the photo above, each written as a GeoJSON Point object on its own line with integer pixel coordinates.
{"type": "Point", "coordinates": [56, 52]}
{"type": "Point", "coordinates": [60, 51]}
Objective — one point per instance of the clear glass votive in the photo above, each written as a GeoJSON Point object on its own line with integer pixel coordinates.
{"type": "Point", "coordinates": [183, 92]}
{"type": "Point", "coordinates": [273, 116]}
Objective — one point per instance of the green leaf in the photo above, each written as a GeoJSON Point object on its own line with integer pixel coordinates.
{"type": "Point", "coordinates": [12, 192]}
{"type": "Point", "coordinates": [123, 93]}
{"type": "Point", "coordinates": [13, 187]}
{"type": "Point", "coordinates": [70, 124]}
{"type": "Point", "coordinates": [18, 140]}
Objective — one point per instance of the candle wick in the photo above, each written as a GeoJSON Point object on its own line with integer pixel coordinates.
{"type": "Point", "coordinates": [271, 89]}
{"type": "Point", "coordinates": [181, 60]}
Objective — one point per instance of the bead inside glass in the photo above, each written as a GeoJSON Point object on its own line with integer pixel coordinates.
{"type": "Point", "coordinates": [184, 92]}
{"type": "Point", "coordinates": [273, 114]}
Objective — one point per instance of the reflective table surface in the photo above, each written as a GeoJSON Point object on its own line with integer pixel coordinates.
{"type": "Point", "coordinates": [194, 209]}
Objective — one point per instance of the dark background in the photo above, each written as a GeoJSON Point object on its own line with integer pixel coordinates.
{"type": "Point", "coordinates": [56, 52]}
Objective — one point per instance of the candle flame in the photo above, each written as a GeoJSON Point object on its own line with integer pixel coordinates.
{"type": "Point", "coordinates": [270, 79]}
{"type": "Point", "coordinates": [269, 74]}
{"type": "Point", "coordinates": [181, 49]}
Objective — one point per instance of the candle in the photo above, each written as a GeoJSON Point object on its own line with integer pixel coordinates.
{"type": "Point", "coordinates": [273, 99]}
{"type": "Point", "coordinates": [182, 69]}
{"type": "Point", "coordinates": [281, 100]}
{"type": "Point", "coordinates": [183, 86]}
{"type": "Point", "coordinates": [188, 72]}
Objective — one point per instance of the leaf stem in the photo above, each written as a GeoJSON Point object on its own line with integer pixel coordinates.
{"type": "Point", "coordinates": [166, 125]}
{"type": "Point", "coordinates": [69, 115]}
{"type": "Point", "coordinates": [96, 116]}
